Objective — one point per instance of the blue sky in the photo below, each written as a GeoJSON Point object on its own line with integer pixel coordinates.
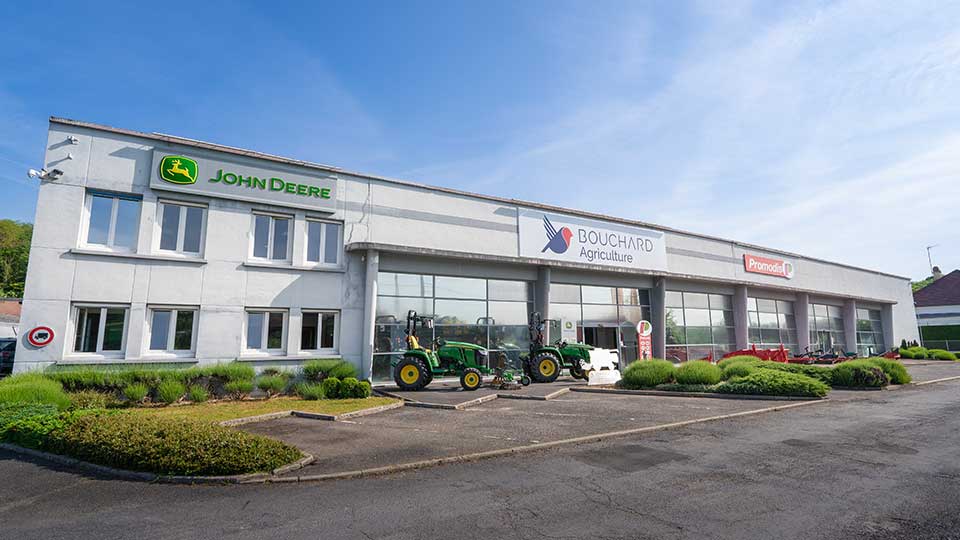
{"type": "Point", "coordinates": [827, 128]}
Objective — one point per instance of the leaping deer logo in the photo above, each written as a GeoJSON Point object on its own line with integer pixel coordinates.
{"type": "Point", "coordinates": [178, 170]}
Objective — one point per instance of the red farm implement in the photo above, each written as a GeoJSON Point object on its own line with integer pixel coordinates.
{"type": "Point", "coordinates": [781, 354]}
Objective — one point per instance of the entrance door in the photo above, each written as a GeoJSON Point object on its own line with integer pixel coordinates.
{"type": "Point", "coordinates": [602, 337]}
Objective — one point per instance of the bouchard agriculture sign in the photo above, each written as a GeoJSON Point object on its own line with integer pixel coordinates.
{"type": "Point", "coordinates": [215, 178]}
{"type": "Point", "coordinates": [767, 266]}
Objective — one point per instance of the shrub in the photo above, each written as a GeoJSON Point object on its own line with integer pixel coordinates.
{"type": "Point", "coordinates": [272, 384]}
{"type": "Point", "coordinates": [136, 392]}
{"type": "Point", "coordinates": [919, 352]}
{"type": "Point", "coordinates": [859, 374]}
{"type": "Point", "coordinates": [232, 371]}
{"type": "Point", "coordinates": [197, 394]}
{"type": "Point", "coordinates": [774, 383]}
{"type": "Point", "coordinates": [11, 413]}
{"type": "Point", "coordinates": [674, 387]}
{"type": "Point", "coordinates": [167, 446]}
{"type": "Point", "coordinates": [893, 369]}
{"type": "Point", "coordinates": [821, 373]}
{"type": "Point", "coordinates": [239, 389]}
{"type": "Point", "coordinates": [365, 391]}
{"type": "Point", "coordinates": [330, 387]}
{"type": "Point", "coordinates": [647, 374]}
{"type": "Point", "coordinates": [92, 399]}
{"type": "Point", "coordinates": [739, 369]}
{"type": "Point", "coordinates": [171, 391]}
{"type": "Point", "coordinates": [737, 359]}
{"type": "Point", "coordinates": [697, 372]}
{"type": "Point", "coordinates": [318, 370]}
{"type": "Point", "coordinates": [905, 353]}
{"type": "Point", "coordinates": [940, 354]}
{"type": "Point", "coordinates": [310, 391]}
{"type": "Point", "coordinates": [33, 388]}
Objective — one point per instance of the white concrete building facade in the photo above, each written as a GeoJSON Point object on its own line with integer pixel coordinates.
{"type": "Point", "coordinates": [155, 249]}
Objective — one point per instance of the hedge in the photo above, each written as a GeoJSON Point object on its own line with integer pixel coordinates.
{"type": "Point", "coordinates": [33, 388]}
{"type": "Point", "coordinates": [697, 372]}
{"type": "Point", "coordinates": [859, 374]}
{"type": "Point", "coordinates": [165, 446]}
{"type": "Point", "coordinates": [893, 369]}
{"type": "Point", "coordinates": [318, 370]}
{"type": "Point", "coordinates": [940, 354]}
{"type": "Point", "coordinates": [116, 380]}
{"type": "Point", "coordinates": [738, 369]}
{"type": "Point", "coordinates": [647, 374]}
{"type": "Point", "coordinates": [774, 383]}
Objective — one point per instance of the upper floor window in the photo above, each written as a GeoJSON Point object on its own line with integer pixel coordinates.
{"type": "Point", "coordinates": [181, 227]}
{"type": "Point", "coordinates": [271, 237]}
{"type": "Point", "coordinates": [100, 329]}
{"type": "Point", "coordinates": [113, 220]}
{"type": "Point", "coordinates": [323, 242]}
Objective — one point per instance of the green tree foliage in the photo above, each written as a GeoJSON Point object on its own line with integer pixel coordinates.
{"type": "Point", "coordinates": [14, 252]}
{"type": "Point", "coordinates": [917, 285]}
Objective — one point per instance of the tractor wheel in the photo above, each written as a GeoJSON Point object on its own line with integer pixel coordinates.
{"type": "Point", "coordinates": [411, 374]}
{"type": "Point", "coordinates": [524, 380]}
{"type": "Point", "coordinates": [577, 372]}
{"type": "Point", "coordinates": [545, 368]}
{"type": "Point", "coordinates": [471, 379]}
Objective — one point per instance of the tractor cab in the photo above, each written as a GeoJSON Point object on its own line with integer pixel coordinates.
{"type": "Point", "coordinates": [414, 320]}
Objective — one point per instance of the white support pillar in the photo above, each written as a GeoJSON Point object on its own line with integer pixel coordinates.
{"type": "Point", "coordinates": [541, 292]}
{"type": "Point", "coordinates": [369, 313]}
{"type": "Point", "coordinates": [850, 324]}
{"type": "Point", "coordinates": [740, 319]}
{"type": "Point", "coordinates": [801, 313]}
{"type": "Point", "coordinates": [658, 312]}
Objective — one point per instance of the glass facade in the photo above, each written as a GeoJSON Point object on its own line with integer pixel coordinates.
{"type": "Point", "coordinates": [488, 312]}
{"type": "Point", "coordinates": [606, 317]}
{"type": "Point", "coordinates": [698, 325]}
{"type": "Point", "coordinates": [771, 323]}
{"type": "Point", "coordinates": [826, 329]}
{"type": "Point", "coordinates": [869, 332]}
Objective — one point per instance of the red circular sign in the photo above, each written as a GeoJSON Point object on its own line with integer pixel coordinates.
{"type": "Point", "coordinates": [40, 336]}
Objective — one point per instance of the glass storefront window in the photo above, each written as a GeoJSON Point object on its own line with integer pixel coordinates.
{"type": "Point", "coordinates": [870, 339]}
{"type": "Point", "coordinates": [391, 284]}
{"type": "Point", "coordinates": [699, 325]}
{"type": "Point", "coordinates": [598, 295]}
{"type": "Point", "coordinates": [771, 323]}
{"type": "Point", "coordinates": [564, 294]}
{"type": "Point", "coordinates": [826, 329]}
{"type": "Point", "coordinates": [457, 287]}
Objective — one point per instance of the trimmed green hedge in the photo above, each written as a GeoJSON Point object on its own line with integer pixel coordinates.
{"type": "Point", "coordinates": [774, 383]}
{"type": "Point", "coordinates": [697, 372]}
{"type": "Point", "coordinates": [737, 369]}
{"type": "Point", "coordinates": [940, 354]}
{"type": "Point", "coordinates": [33, 388]}
{"type": "Point", "coordinates": [893, 369]}
{"type": "Point", "coordinates": [318, 370]}
{"type": "Point", "coordinates": [647, 374]}
{"type": "Point", "coordinates": [859, 374]}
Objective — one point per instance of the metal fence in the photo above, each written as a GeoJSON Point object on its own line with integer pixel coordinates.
{"type": "Point", "coordinates": [946, 344]}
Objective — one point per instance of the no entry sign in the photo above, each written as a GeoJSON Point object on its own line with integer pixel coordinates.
{"type": "Point", "coordinates": [40, 336]}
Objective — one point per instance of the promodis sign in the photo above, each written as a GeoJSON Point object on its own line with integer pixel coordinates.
{"type": "Point", "coordinates": [766, 266]}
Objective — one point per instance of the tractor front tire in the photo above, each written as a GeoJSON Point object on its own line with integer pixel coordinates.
{"type": "Point", "coordinates": [411, 374]}
{"type": "Point", "coordinates": [471, 379]}
{"type": "Point", "coordinates": [544, 368]}
{"type": "Point", "coordinates": [577, 372]}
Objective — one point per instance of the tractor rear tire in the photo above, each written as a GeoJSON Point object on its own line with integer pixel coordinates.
{"type": "Point", "coordinates": [544, 368]}
{"type": "Point", "coordinates": [411, 374]}
{"type": "Point", "coordinates": [471, 379]}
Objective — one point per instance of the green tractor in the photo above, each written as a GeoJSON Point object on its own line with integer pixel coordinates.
{"type": "Point", "coordinates": [545, 362]}
{"type": "Point", "coordinates": [418, 365]}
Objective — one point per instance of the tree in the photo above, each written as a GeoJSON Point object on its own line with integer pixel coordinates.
{"type": "Point", "coordinates": [14, 253]}
{"type": "Point", "coordinates": [917, 285]}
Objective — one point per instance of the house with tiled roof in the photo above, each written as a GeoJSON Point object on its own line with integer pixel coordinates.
{"type": "Point", "coordinates": [938, 311]}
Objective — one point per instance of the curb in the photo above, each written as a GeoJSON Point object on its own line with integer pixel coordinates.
{"type": "Point", "coordinates": [389, 469]}
{"type": "Point", "coordinates": [944, 379]}
{"type": "Point", "coordinates": [122, 474]}
{"type": "Point", "coordinates": [709, 395]}
{"type": "Point", "coordinates": [311, 415]}
{"type": "Point", "coordinates": [547, 397]}
{"type": "Point", "coordinates": [451, 406]}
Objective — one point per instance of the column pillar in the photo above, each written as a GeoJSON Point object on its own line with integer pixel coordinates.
{"type": "Point", "coordinates": [658, 314]}
{"type": "Point", "coordinates": [886, 317]}
{"type": "Point", "coordinates": [541, 292]}
{"type": "Point", "coordinates": [801, 312]}
{"type": "Point", "coordinates": [740, 320]}
{"type": "Point", "coordinates": [369, 313]}
{"type": "Point", "coordinates": [850, 324]}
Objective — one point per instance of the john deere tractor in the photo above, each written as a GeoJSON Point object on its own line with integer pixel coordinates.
{"type": "Point", "coordinates": [545, 362]}
{"type": "Point", "coordinates": [419, 365]}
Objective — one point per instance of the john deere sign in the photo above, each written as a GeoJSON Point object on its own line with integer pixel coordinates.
{"type": "Point", "coordinates": [214, 178]}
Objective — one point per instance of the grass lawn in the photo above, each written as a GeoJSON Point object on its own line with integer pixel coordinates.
{"type": "Point", "coordinates": [228, 410]}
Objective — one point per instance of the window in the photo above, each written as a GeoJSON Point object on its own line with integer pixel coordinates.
{"type": "Point", "coordinates": [172, 330]}
{"type": "Point", "coordinates": [318, 331]}
{"type": "Point", "coordinates": [100, 329]}
{"type": "Point", "coordinates": [826, 328]}
{"type": "Point", "coordinates": [181, 227]}
{"type": "Point", "coordinates": [699, 325]}
{"type": "Point", "coordinates": [271, 237]}
{"type": "Point", "coordinates": [266, 330]}
{"type": "Point", "coordinates": [323, 242]}
{"type": "Point", "coordinates": [771, 323]}
{"type": "Point", "coordinates": [870, 332]}
{"type": "Point", "coordinates": [114, 220]}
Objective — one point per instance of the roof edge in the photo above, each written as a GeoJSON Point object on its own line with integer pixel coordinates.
{"type": "Point", "coordinates": [502, 200]}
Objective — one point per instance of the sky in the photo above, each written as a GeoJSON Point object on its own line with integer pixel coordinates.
{"type": "Point", "coordinates": [829, 129]}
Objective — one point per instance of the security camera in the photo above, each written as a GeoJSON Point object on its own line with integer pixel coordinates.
{"type": "Point", "coordinates": [73, 140]}
{"type": "Point", "coordinates": [54, 174]}
{"type": "Point", "coordinates": [44, 174]}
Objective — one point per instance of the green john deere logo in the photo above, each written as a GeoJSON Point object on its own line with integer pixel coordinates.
{"type": "Point", "coordinates": [178, 170]}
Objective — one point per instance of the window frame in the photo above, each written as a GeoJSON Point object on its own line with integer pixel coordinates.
{"type": "Point", "coordinates": [264, 350]}
{"type": "Point", "coordinates": [181, 229]}
{"type": "Point", "coordinates": [171, 331]}
{"type": "Point", "coordinates": [321, 314]}
{"type": "Point", "coordinates": [116, 197]}
{"type": "Point", "coordinates": [323, 242]}
{"type": "Point", "coordinates": [274, 216]}
{"type": "Point", "coordinates": [101, 326]}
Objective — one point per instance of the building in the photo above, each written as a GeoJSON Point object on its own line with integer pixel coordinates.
{"type": "Point", "coordinates": [9, 317]}
{"type": "Point", "coordinates": [938, 311]}
{"type": "Point", "coordinates": [151, 248]}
